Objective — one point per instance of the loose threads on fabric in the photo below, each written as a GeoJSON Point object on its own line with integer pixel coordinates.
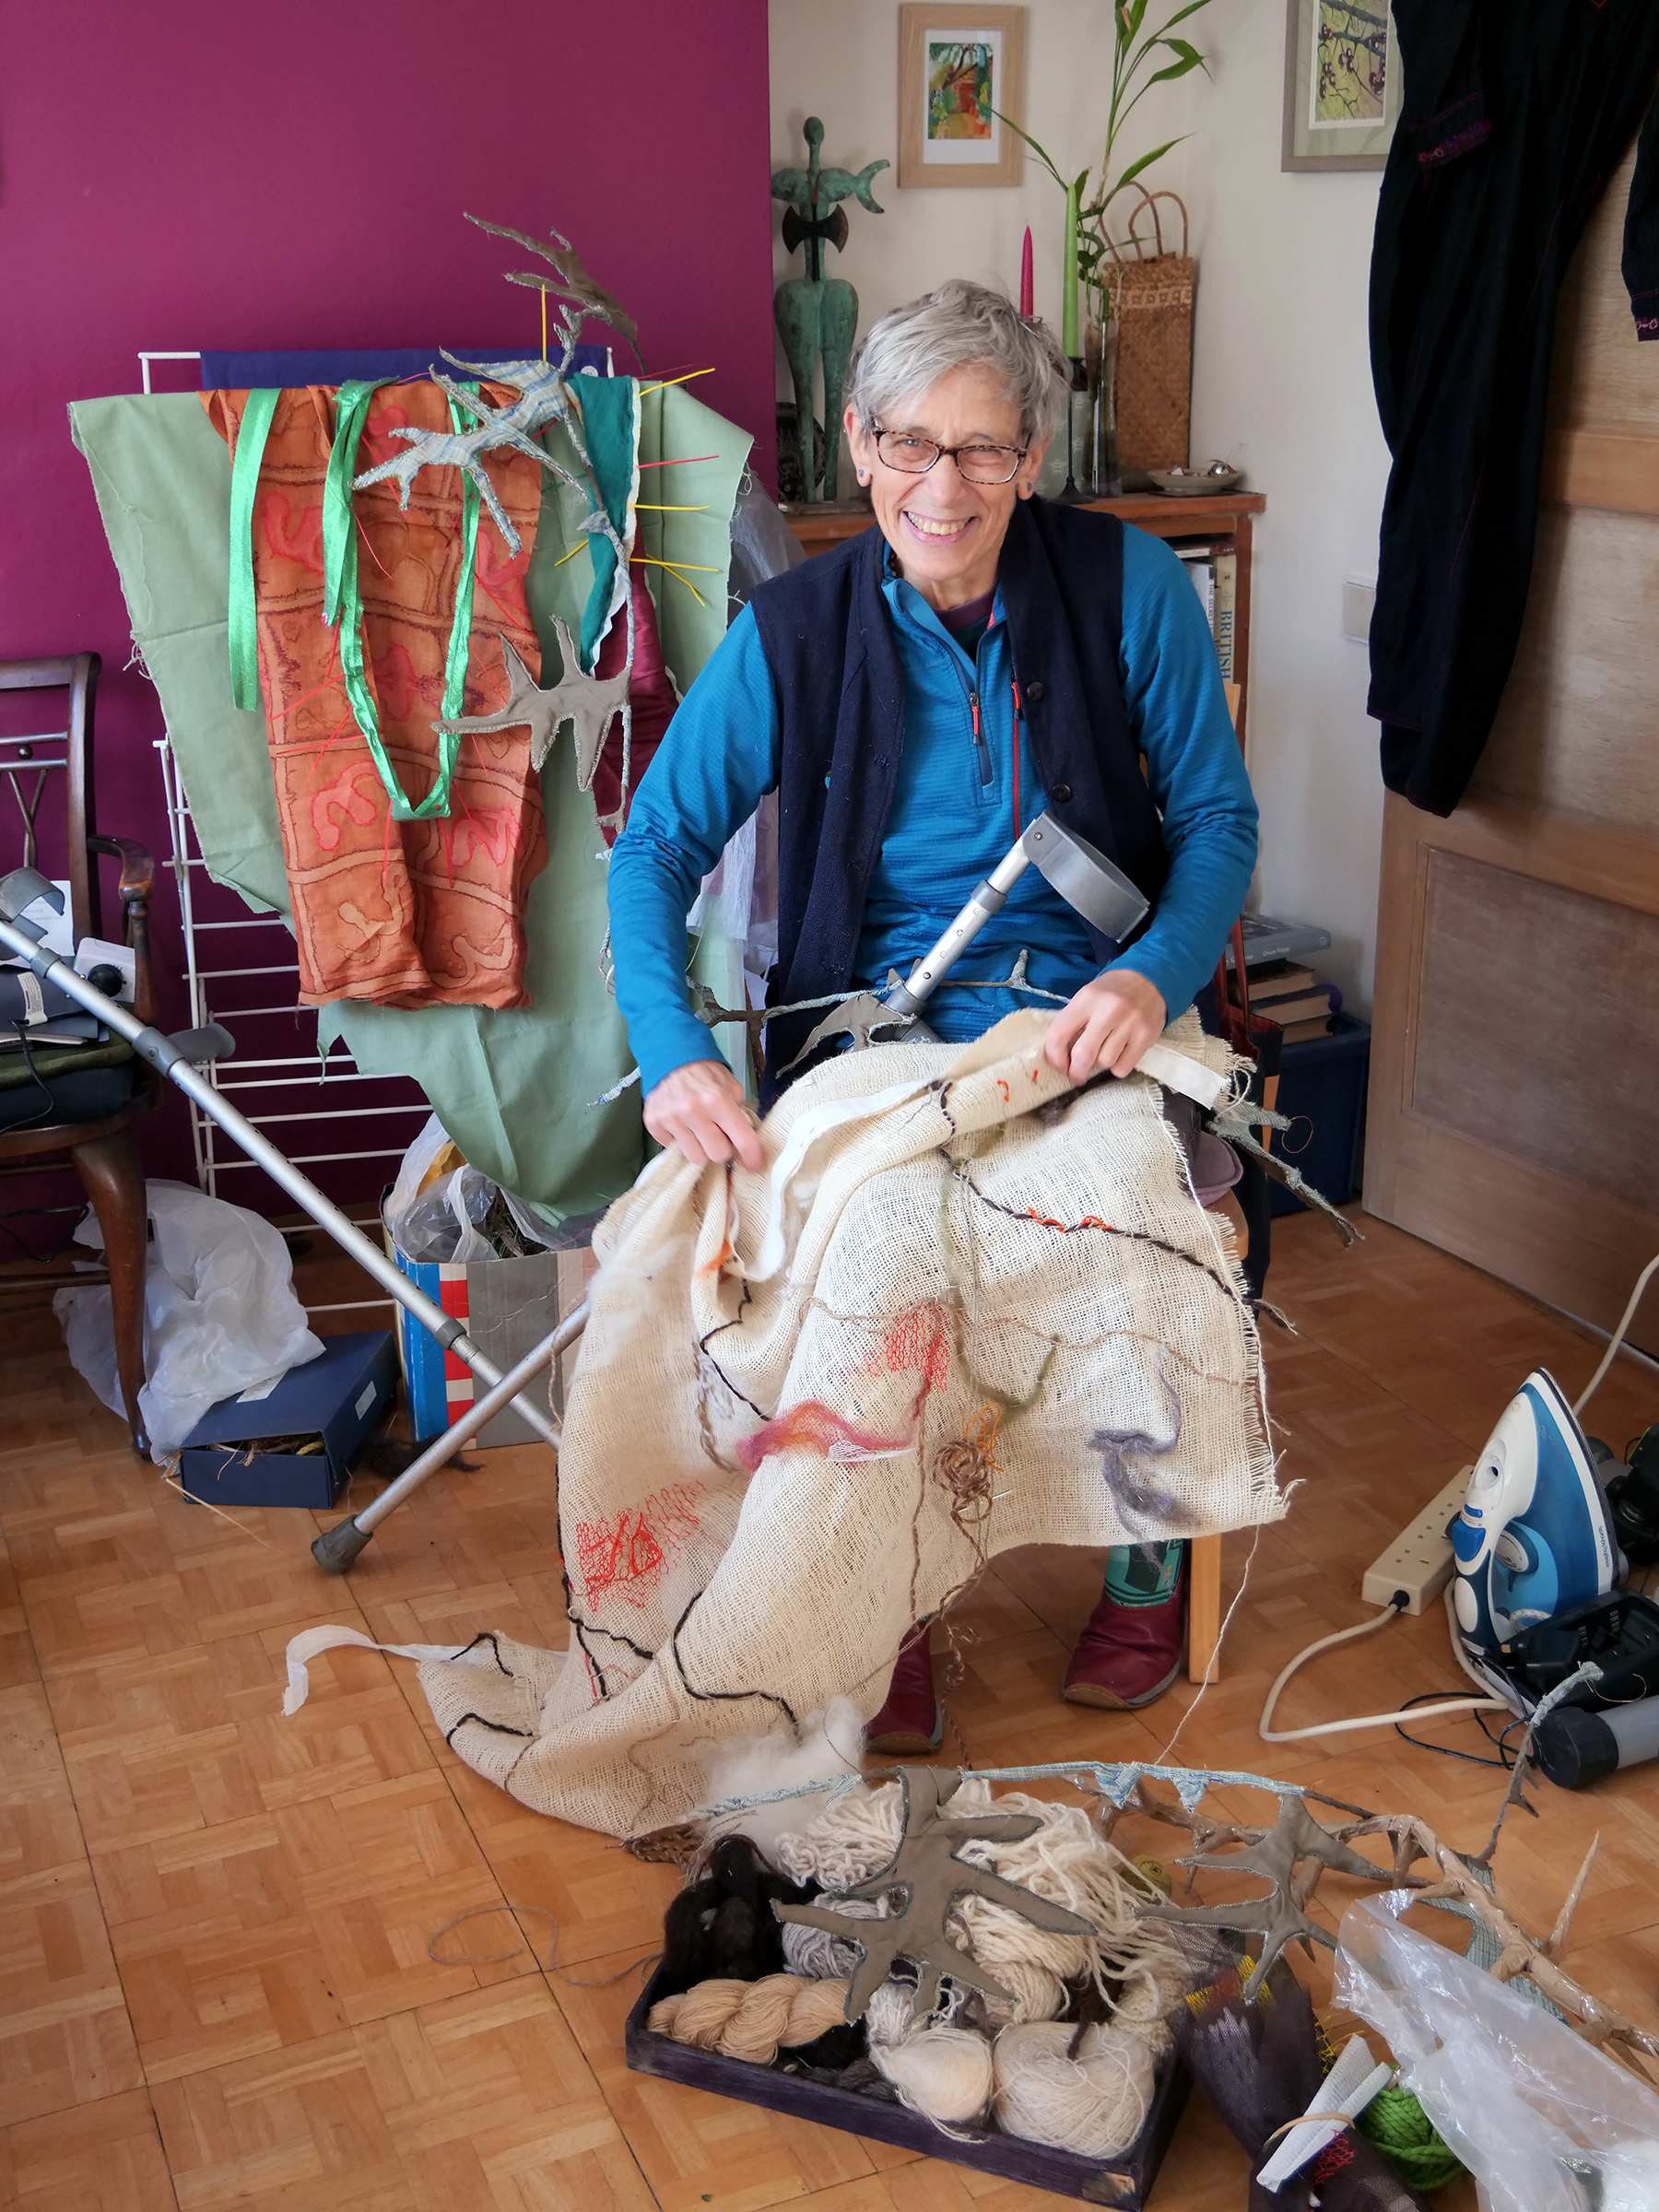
{"type": "Point", "coordinates": [751, 2019]}
{"type": "Point", "coordinates": [1094, 2103]}
{"type": "Point", "coordinates": [965, 1465]}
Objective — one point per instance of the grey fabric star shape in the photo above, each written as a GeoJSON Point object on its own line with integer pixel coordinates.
{"type": "Point", "coordinates": [929, 1877]}
{"type": "Point", "coordinates": [589, 703]}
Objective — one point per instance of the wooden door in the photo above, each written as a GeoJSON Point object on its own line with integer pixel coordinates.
{"type": "Point", "coordinates": [1514, 1085]}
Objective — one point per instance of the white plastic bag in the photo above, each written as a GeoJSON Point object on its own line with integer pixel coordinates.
{"type": "Point", "coordinates": [219, 1314]}
{"type": "Point", "coordinates": [423, 1150]}
{"type": "Point", "coordinates": [1544, 2121]}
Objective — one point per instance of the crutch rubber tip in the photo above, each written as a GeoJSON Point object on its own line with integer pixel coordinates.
{"type": "Point", "coordinates": [336, 1548]}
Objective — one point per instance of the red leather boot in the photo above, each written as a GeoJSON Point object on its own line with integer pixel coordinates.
{"type": "Point", "coordinates": [1130, 1651]}
{"type": "Point", "coordinates": [912, 1720]}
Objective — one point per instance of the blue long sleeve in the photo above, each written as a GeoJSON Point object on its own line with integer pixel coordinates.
{"type": "Point", "coordinates": [1195, 772]}
{"type": "Point", "coordinates": [718, 758]}
{"type": "Point", "coordinates": [721, 755]}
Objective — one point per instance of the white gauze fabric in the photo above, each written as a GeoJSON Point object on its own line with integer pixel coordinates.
{"type": "Point", "coordinates": [758, 1492]}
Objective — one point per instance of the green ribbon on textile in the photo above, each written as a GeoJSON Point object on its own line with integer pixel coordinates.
{"type": "Point", "coordinates": [241, 606]}
{"type": "Point", "coordinates": [343, 604]}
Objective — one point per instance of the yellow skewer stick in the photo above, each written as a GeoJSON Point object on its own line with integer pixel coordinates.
{"type": "Point", "coordinates": [544, 297]}
{"type": "Point", "coordinates": [569, 556]}
{"type": "Point", "coordinates": [674, 569]}
{"type": "Point", "coordinates": [668, 382]}
{"type": "Point", "coordinates": [668, 507]}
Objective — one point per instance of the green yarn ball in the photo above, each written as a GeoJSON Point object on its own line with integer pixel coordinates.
{"type": "Point", "coordinates": [1402, 2131]}
{"type": "Point", "coordinates": [1155, 1873]}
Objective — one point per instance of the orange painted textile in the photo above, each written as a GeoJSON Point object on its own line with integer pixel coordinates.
{"type": "Point", "coordinates": [415, 913]}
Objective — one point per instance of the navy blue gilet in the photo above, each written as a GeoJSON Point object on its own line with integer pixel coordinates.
{"type": "Point", "coordinates": [828, 636]}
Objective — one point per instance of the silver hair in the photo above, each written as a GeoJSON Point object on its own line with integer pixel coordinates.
{"type": "Point", "coordinates": [960, 326]}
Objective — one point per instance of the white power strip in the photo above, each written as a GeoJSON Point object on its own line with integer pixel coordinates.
{"type": "Point", "coordinates": [1419, 1559]}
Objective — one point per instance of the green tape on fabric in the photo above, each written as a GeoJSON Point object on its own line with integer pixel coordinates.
{"type": "Point", "coordinates": [241, 606]}
{"type": "Point", "coordinates": [343, 604]}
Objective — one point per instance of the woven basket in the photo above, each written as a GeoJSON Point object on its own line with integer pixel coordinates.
{"type": "Point", "coordinates": [1151, 296]}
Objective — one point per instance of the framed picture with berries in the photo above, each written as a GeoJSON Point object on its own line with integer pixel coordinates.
{"type": "Point", "coordinates": [1341, 84]}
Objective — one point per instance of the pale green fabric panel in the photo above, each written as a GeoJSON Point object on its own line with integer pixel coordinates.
{"type": "Point", "coordinates": [162, 476]}
{"type": "Point", "coordinates": [513, 1089]}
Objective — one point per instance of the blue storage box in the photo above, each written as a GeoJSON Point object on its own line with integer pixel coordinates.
{"type": "Point", "coordinates": [1321, 1087]}
{"type": "Point", "coordinates": [339, 1399]}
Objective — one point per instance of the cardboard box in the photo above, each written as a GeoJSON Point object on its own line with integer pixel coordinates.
{"type": "Point", "coordinates": [337, 1400]}
{"type": "Point", "coordinates": [508, 1306]}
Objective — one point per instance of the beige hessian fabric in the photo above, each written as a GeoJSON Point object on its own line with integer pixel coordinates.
{"type": "Point", "coordinates": [968, 1309]}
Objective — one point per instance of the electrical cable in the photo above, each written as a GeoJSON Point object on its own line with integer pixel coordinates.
{"type": "Point", "coordinates": [1617, 1336]}
{"type": "Point", "coordinates": [1473, 1758]}
{"type": "Point", "coordinates": [1396, 1607]}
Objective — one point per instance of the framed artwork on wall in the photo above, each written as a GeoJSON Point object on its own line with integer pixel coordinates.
{"type": "Point", "coordinates": [961, 70]}
{"type": "Point", "coordinates": [1341, 84]}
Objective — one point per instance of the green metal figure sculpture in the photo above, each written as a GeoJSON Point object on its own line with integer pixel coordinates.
{"type": "Point", "coordinates": [816, 314]}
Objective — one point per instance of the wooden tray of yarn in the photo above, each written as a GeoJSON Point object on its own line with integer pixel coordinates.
{"type": "Point", "coordinates": [1125, 2180]}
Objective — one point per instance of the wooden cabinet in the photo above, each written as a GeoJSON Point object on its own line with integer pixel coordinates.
{"type": "Point", "coordinates": [1222, 518]}
{"type": "Point", "coordinates": [1514, 1111]}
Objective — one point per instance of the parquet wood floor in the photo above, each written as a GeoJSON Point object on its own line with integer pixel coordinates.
{"type": "Point", "coordinates": [214, 1979]}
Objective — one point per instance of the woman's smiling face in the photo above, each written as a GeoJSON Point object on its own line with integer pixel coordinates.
{"type": "Point", "coordinates": [946, 533]}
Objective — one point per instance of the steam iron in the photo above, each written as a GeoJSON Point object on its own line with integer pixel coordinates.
{"type": "Point", "coordinates": [1535, 1535]}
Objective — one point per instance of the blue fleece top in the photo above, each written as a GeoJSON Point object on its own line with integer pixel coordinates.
{"type": "Point", "coordinates": [952, 817]}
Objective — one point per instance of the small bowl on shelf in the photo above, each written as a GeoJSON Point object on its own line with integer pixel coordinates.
{"type": "Point", "coordinates": [1195, 483]}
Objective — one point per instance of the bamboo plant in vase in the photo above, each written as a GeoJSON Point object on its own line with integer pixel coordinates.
{"type": "Point", "coordinates": [1090, 252]}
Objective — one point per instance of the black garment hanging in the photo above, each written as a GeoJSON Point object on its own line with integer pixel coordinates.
{"type": "Point", "coordinates": [1515, 113]}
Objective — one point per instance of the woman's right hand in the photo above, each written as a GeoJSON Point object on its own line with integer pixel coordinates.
{"type": "Point", "coordinates": [702, 1109]}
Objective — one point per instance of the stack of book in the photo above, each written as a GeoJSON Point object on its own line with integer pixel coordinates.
{"type": "Point", "coordinates": [1293, 998]}
{"type": "Point", "coordinates": [1214, 569]}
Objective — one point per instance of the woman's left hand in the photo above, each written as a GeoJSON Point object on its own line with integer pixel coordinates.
{"type": "Point", "coordinates": [1109, 1025]}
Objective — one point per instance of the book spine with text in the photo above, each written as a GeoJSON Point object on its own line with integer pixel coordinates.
{"type": "Point", "coordinates": [1227, 593]}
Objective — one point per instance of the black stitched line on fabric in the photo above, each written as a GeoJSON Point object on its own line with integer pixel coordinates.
{"type": "Point", "coordinates": [581, 1627]}
{"type": "Point", "coordinates": [1067, 1228]}
{"type": "Point", "coordinates": [591, 1627]}
{"type": "Point", "coordinates": [730, 1696]}
{"type": "Point", "coordinates": [719, 1330]}
{"type": "Point", "coordinates": [499, 1727]}
{"type": "Point", "coordinates": [486, 1636]}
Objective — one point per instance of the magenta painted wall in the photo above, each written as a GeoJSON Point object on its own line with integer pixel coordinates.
{"type": "Point", "coordinates": [186, 175]}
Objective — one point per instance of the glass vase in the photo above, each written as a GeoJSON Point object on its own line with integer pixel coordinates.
{"type": "Point", "coordinates": [1100, 361]}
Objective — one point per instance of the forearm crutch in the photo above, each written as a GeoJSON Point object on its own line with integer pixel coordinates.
{"type": "Point", "coordinates": [175, 1057]}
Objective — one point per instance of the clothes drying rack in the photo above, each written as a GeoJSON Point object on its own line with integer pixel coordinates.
{"type": "Point", "coordinates": [235, 962]}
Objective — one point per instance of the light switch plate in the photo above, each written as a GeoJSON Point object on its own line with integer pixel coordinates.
{"type": "Point", "coordinates": [1358, 598]}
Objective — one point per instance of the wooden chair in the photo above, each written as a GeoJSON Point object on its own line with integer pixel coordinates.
{"type": "Point", "coordinates": [98, 1107]}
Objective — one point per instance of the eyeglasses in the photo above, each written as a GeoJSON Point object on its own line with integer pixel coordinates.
{"type": "Point", "coordinates": [914, 456]}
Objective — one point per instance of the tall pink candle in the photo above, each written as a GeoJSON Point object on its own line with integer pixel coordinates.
{"type": "Point", "coordinates": [1025, 297]}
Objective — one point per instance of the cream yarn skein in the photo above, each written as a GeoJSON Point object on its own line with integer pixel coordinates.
{"type": "Point", "coordinates": [944, 2073]}
{"type": "Point", "coordinates": [1094, 2104]}
{"type": "Point", "coordinates": [751, 2019]}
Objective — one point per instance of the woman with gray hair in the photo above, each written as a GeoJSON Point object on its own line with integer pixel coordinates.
{"type": "Point", "coordinates": [916, 697]}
